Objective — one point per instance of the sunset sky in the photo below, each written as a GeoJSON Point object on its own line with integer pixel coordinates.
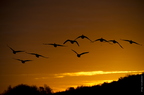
{"type": "Point", "coordinates": [28, 24]}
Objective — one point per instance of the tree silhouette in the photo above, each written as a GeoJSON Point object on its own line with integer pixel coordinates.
{"type": "Point", "coordinates": [24, 89]}
{"type": "Point", "coordinates": [128, 85]}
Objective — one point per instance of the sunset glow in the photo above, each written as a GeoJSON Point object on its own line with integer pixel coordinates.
{"type": "Point", "coordinates": [34, 48]}
{"type": "Point", "coordinates": [92, 73]}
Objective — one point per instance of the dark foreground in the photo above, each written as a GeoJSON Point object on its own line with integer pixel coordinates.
{"type": "Point", "coordinates": [129, 85]}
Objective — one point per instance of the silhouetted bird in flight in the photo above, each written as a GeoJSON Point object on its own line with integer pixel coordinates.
{"type": "Point", "coordinates": [15, 51]}
{"type": "Point", "coordinates": [114, 41]}
{"type": "Point", "coordinates": [82, 37]}
{"type": "Point", "coordinates": [55, 45]}
{"type": "Point", "coordinates": [101, 40]}
{"type": "Point", "coordinates": [37, 55]}
{"type": "Point", "coordinates": [71, 41]}
{"type": "Point", "coordinates": [23, 61]}
{"type": "Point", "coordinates": [131, 41]}
{"type": "Point", "coordinates": [79, 55]}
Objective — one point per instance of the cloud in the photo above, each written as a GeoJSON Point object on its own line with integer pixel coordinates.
{"type": "Point", "coordinates": [91, 83]}
{"type": "Point", "coordinates": [92, 73]}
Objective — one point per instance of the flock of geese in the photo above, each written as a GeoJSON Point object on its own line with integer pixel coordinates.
{"type": "Point", "coordinates": [72, 42]}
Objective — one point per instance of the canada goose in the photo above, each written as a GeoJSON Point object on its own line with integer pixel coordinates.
{"type": "Point", "coordinates": [37, 55]}
{"type": "Point", "coordinates": [15, 51]}
{"type": "Point", "coordinates": [79, 55]}
{"type": "Point", "coordinates": [23, 61]}
{"type": "Point", "coordinates": [114, 41]}
{"type": "Point", "coordinates": [82, 37]}
{"type": "Point", "coordinates": [71, 41]}
{"type": "Point", "coordinates": [131, 42]}
{"type": "Point", "coordinates": [54, 44]}
{"type": "Point", "coordinates": [101, 40]}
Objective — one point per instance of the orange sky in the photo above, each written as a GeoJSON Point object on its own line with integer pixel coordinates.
{"type": "Point", "coordinates": [27, 24]}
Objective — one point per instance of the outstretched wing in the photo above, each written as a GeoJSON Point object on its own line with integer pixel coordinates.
{"type": "Point", "coordinates": [88, 38]}
{"type": "Point", "coordinates": [76, 43]}
{"type": "Point", "coordinates": [119, 44]}
{"type": "Point", "coordinates": [11, 48]}
{"type": "Point", "coordinates": [19, 51]}
{"type": "Point", "coordinates": [66, 41]}
{"type": "Point", "coordinates": [112, 41]}
{"type": "Point", "coordinates": [27, 60]}
{"type": "Point", "coordinates": [48, 44]}
{"type": "Point", "coordinates": [31, 53]}
{"type": "Point", "coordinates": [43, 56]}
{"type": "Point", "coordinates": [96, 40]}
{"type": "Point", "coordinates": [136, 43]}
{"type": "Point", "coordinates": [125, 40]}
{"type": "Point", "coordinates": [74, 51]}
{"type": "Point", "coordinates": [84, 53]}
{"type": "Point", "coordinates": [78, 37]}
{"type": "Point", "coordinates": [59, 45]}
{"type": "Point", "coordinates": [17, 59]}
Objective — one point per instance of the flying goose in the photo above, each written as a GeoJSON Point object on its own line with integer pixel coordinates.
{"type": "Point", "coordinates": [114, 41]}
{"type": "Point", "coordinates": [22, 61]}
{"type": "Point", "coordinates": [82, 37]}
{"type": "Point", "coordinates": [101, 40]}
{"type": "Point", "coordinates": [37, 55]}
{"type": "Point", "coordinates": [54, 44]}
{"type": "Point", "coordinates": [15, 51]}
{"type": "Point", "coordinates": [79, 55]}
{"type": "Point", "coordinates": [131, 42]}
{"type": "Point", "coordinates": [71, 41]}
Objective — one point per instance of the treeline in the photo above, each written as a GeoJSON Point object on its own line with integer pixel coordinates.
{"type": "Point", "coordinates": [131, 84]}
{"type": "Point", "coordinates": [24, 89]}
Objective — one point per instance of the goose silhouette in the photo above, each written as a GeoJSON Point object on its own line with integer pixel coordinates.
{"type": "Point", "coordinates": [15, 51]}
{"type": "Point", "coordinates": [131, 42]}
{"type": "Point", "coordinates": [37, 55]}
{"type": "Point", "coordinates": [79, 55]}
{"type": "Point", "coordinates": [54, 44]}
{"type": "Point", "coordinates": [22, 61]}
{"type": "Point", "coordinates": [82, 37]}
{"type": "Point", "coordinates": [71, 41]}
{"type": "Point", "coordinates": [101, 40]}
{"type": "Point", "coordinates": [114, 41]}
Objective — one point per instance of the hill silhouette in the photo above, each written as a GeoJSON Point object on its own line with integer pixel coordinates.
{"type": "Point", "coordinates": [128, 85]}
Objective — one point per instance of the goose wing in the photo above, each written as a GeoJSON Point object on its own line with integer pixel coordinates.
{"type": "Point", "coordinates": [78, 37]}
{"type": "Point", "coordinates": [27, 60]}
{"type": "Point", "coordinates": [125, 40]}
{"type": "Point", "coordinates": [18, 59]}
{"type": "Point", "coordinates": [76, 43]}
{"type": "Point", "coordinates": [96, 40]}
{"type": "Point", "coordinates": [59, 45]}
{"type": "Point", "coordinates": [136, 43]}
{"type": "Point", "coordinates": [119, 44]}
{"type": "Point", "coordinates": [66, 41]}
{"type": "Point", "coordinates": [74, 51]}
{"type": "Point", "coordinates": [88, 38]}
{"type": "Point", "coordinates": [48, 44]}
{"type": "Point", "coordinates": [84, 53]}
{"type": "Point", "coordinates": [32, 53]}
{"type": "Point", "coordinates": [43, 56]}
{"type": "Point", "coordinates": [11, 48]}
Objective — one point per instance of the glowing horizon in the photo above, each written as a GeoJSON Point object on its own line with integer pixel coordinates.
{"type": "Point", "coordinates": [91, 73]}
{"type": "Point", "coordinates": [27, 24]}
